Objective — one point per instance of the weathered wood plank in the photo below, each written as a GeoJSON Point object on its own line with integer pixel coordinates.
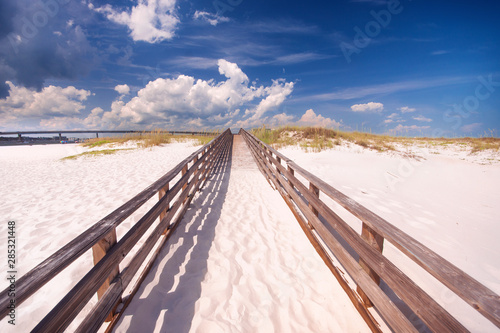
{"type": "Point", "coordinates": [93, 321]}
{"type": "Point", "coordinates": [161, 194]}
{"type": "Point", "coordinates": [315, 191]}
{"type": "Point", "coordinates": [377, 242]}
{"type": "Point", "coordinates": [99, 250]}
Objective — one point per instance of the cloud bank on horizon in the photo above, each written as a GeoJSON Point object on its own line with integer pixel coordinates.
{"type": "Point", "coordinates": [145, 64]}
{"type": "Point", "coordinates": [179, 102]}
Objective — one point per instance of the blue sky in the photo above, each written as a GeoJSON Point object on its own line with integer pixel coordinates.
{"type": "Point", "coordinates": [398, 67]}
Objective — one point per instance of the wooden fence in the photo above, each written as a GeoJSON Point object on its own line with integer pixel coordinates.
{"type": "Point", "coordinates": [105, 278]}
{"type": "Point", "coordinates": [317, 220]}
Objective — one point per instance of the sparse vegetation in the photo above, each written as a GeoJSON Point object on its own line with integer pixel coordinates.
{"type": "Point", "coordinates": [95, 143]}
{"type": "Point", "coordinates": [484, 144]}
{"type": "Point", "coordinates": [155, 138]}
{"type": "Point", "coordinates": [203, 140]}
{"type": "Point", "coordinates": [150, 139]}
{"type": "Point", "coordinates": [93, 153]}
{"type": "Point", "coordinates": [317, 139]}
{"type": "Point", "coordinates": [144, 140]}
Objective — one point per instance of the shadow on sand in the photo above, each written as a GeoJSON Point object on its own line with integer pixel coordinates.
{"type": "Point", "coordinates": [169, 304]}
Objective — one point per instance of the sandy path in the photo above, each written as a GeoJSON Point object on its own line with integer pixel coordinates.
{"type": "Point", "coordinates": [239, 262]}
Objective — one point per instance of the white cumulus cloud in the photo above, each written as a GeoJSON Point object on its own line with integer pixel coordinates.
{"type": "Point", "coordinates": [50, 102]}
{"type": "Point", "coordinates": [408, 129]}
{"type": "Point", "coordinates": [276, 94]}
{"type": "Point", "coordinates": [282, 119]}
{"type": "Point", "coordinates": [368, 107]}
{"type": "Point", "coordinates": [394, 118]}
{"type": "Point", "coordinates": [93, 120]}
{"type": "Point", "coordinates": [406, 109]}
{"type": "Point", "coordinates": [169, 101]}
{"type": "Point", "coordinates": [182, 102]}
{"type": "Point", "coordinates": [150, 21]}
{"type": "Point", "coordinates": [422, 118]}
{"type": "Point", "coordinates": [122, 89]}
{"type": "Point", "coordinates": [309, 118]}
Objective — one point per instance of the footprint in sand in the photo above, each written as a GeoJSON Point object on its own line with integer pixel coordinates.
{"type": "Point", "coordinates": [45, 247]}
{"type": "Point", "coordinates": [39, 232]}
{"type": "Point", "coordinates": [368, 193]}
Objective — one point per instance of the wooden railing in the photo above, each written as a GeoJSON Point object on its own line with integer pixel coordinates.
{"type": "Point", "coordinates": [104, 278]}
{"type": "Point", "coordinates": [317, 220]}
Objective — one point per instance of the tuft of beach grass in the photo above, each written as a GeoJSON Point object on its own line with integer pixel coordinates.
{"type": "Point", "coordinates": [93, 153]}
{"type": "Point", "coordinates": [151, 139]}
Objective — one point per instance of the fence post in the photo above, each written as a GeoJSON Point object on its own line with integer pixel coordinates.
{"type": "Point", "coordinates": [315, 191]}
{"type": "Point", "coordinates": [292, 172]}
{"type": "Point", "coordinates": [99, 250]}
{"type": "Point", "coordinates": [161, 194]}
{"type": "Point", "coordinates": [184, 171]}
{"type": "Point", "coordinates": [377, 242]}
{"type": "Point", "coordinates": [195, 173]}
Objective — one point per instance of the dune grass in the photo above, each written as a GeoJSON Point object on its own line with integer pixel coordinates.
{"type": "Point", "coordinates": [150, 139]}
{"type": "Point", "coordinates": [93, 153]}
{"type": "Point", "coordinates": [317, 139]}
{"type": "Point", "coordinates": [143, 139]}
{"type": "Point", "coordinates": [155, 138]}
{"type": "Point", "coordinates": [476, 144]}
{"type": "Point", "coordinates": [95, 143]}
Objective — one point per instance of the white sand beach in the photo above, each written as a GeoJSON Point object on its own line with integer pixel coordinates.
{"type": "Point", "coordinates": [239, 262]}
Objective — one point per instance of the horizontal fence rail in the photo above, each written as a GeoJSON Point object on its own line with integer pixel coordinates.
{"type": "Point", "coordinates": [317, 220]}
{"type": "Point", "coordinates": [104, 278]}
